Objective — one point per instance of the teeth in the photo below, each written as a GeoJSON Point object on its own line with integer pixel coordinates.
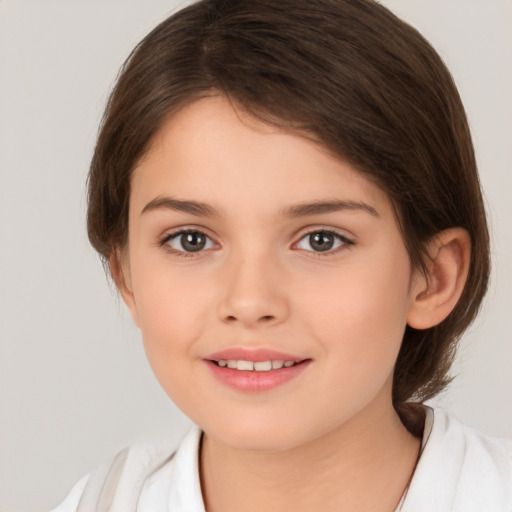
{"type": "Point", "coordinates": [263, 366]}
{"type": "Point", "coordinates": [259, 366]}
{"type": "Point", "coordinates": [245, 366]}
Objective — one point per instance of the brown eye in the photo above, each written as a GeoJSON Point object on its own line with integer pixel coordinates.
{"type": "Point", "coordinates": [193, 242]}
{"type": "Point", "coordinates": [189, 241]}
{"type": "Point", "coordinates": [322, 241]}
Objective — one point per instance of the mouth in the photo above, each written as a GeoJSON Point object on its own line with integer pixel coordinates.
{"type": "Point", "coordinates": [254, 366]}
{"type": "Point", "coordinates": [255, 371]}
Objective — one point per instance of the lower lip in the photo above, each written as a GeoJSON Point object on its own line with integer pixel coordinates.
{"type": "Point", "coordinates": [253, 381]}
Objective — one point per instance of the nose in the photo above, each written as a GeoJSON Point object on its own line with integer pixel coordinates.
{"type": "Point", "coordinates": [253, 293]}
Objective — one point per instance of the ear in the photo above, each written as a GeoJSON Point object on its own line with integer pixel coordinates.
{"type": "Point", "coordinates": [434, 295]}
{"type": "Point", "coordinates": [120, 270]}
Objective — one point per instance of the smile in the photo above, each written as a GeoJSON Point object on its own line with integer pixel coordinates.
{"type": "Point", "coordinates": [249, 376]}
{"type": "Point", "coordinates": [254, 366]}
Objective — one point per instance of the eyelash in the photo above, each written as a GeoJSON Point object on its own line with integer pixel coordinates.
{"type": "Point", "coordinates": [181, 254]}
{"type": "Point", "coordinates": [345, 242]}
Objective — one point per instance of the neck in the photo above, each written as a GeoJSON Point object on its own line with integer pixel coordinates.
{"type": "Point", "coordinates": [364, 464]}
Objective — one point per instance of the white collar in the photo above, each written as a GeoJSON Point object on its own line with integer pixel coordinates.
{"type": "Point", "coordinates": [460, 469]}
{"type": "Point", "coordinates": [185, 493]}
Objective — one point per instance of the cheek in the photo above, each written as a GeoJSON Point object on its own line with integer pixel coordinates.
{"type": "Point", "coordinates": [169, 301]}
{"type": "Point", "coordinates": [360, 313]}
{"type": "Point", "coordinates": [172, 310]}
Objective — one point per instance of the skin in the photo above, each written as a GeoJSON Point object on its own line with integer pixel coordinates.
{"type": "Point", "coordinates": [330, 438]}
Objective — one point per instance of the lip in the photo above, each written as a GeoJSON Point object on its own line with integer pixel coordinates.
{"type": "Point", "coordinates": [254, 381]}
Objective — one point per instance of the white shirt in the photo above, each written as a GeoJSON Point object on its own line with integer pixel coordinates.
{"type": "Point", "coordinates": [459, 470]}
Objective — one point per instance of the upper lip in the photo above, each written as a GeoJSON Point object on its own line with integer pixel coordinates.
{"type": "Point", "coordinates": [253, 354]}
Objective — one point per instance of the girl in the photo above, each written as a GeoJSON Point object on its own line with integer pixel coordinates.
{"type": "Point", "coordinates": [286, 196]}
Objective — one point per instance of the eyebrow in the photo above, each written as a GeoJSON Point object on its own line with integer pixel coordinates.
{"type": "Point", "coordinates": [192, 207]}
{"type": "Point", "coordinates": [319, 207]}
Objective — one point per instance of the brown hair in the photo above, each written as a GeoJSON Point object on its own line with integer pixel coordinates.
{"type": "Point", "coordinates": [348, 72]}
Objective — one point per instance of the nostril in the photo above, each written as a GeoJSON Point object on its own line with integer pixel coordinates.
{"type": "Point", "coordinates": [248, 318]}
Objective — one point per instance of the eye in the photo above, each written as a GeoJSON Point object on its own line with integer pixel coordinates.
{"type": "Point", "coordinates": [188, 241]}
{"type": "Point", "coordinates": [322, 241]}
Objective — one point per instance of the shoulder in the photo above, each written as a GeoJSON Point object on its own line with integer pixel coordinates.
{"type": "Point", "coordinates": [460, 469]}
{"type": "Point", "coordinates": [141, 476]}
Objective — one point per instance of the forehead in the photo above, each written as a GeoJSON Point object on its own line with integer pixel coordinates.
{"type": "Point", "coordinates": [214, 152]}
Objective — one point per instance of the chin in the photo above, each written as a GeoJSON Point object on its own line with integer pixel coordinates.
{"type": "Point", "coordinates": [257, 436]}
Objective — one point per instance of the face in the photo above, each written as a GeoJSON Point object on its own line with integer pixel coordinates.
{"type": "Point", "coordinates": [269, 279]}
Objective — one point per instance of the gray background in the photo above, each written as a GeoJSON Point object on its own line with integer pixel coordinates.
{"type": "Point", "coordinates": [74, 383]}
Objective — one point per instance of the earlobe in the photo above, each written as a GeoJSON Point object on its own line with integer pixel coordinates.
{"type": "Point", "coordinates": [120, 271]}
{"type": "Point", "coordinates": [434, 295]}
